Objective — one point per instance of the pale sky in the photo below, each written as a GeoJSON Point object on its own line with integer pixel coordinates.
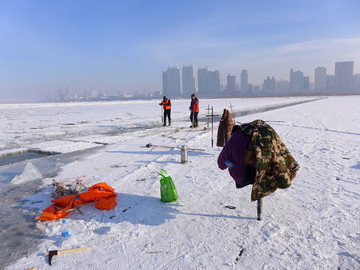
{"type": "Point", "coordinates": [117, 45]}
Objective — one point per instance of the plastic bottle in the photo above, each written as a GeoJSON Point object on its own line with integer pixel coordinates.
{"type": "Point", "coordinates": [229, 164]}
{"type": "Point", "coordinates": [64, 230]}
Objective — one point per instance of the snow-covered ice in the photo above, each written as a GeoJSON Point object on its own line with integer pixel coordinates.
{"type": "Point", "coordinates": [314, 224]}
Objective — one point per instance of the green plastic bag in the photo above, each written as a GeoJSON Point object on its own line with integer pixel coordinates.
{"type": "Point", "coordinates": [167, 188]}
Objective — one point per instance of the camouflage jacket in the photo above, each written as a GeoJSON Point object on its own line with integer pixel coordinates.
{"type": "Point", "coordinates": [275, 166]}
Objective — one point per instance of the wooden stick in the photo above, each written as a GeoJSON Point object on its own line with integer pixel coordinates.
{"type": "Point", "coordinates": [173, 147]}
{"type": "Point", "coordinates": [70, 250]}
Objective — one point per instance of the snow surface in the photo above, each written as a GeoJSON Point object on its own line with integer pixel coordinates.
{"type": "Point", "coordinates": [314, 224]}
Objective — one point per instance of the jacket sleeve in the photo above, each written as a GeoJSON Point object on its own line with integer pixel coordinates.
{"type": "Point", "coordinates": [223, 157]}
{"type": "Point", "coordinates": [227, 152]}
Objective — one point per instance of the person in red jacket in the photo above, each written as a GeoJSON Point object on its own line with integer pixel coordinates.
{"type": "Point", "coordinates": [194, 110]}
{"type": "Point", "coordinates": [166, 103]}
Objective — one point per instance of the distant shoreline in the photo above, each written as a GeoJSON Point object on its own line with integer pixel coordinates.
{"type": "Point", "coordinates": [156, 98]}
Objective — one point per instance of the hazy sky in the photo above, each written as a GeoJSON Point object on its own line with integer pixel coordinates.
{"type": "Point", "coordinates": [125, 45]}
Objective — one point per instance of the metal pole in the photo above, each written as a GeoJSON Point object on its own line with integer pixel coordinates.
{"type": "Point", "coordinates": [231, 106]}
{"type": "Point", "coordinates": [259, 208]}
{"type": "Point", "coordinates": [232, 112]}
{"type": "Point", "coordinates": [208, 110]}
{"type": "Point", "coordinates": [162, 114]}
{"type": "Point", "coordinates": [212, 126]}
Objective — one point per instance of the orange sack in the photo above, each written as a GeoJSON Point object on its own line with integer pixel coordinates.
{"type": "Point", "coordinates": [101, 193]}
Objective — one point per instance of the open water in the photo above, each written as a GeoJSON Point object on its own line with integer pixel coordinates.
{"type": "Point", "coordinates": [19, 235]}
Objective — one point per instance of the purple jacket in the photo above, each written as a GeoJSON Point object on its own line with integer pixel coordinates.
{"type": "Point", "coordinates": [234, 151]}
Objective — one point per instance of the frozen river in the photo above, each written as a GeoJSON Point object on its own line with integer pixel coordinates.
{"type": "Point", "coordinates": [73, 131]}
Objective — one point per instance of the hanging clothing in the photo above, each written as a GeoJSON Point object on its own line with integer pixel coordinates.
{"type": "Point", "coordinates": [234, 151]}
{"type": "Point", "coordinates": [225, 127]}
{"type": "Point", "coordinates": [260, 157]}
{"type": "Point", "coordinates": [275, 166]}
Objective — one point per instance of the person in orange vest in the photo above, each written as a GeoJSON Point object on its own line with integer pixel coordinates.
{"type": "Point", "coordinates": [166, 103]}
{"type": "Point", "coordinates": [194, 111]}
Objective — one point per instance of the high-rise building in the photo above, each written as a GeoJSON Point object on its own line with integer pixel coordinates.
{"type": "Point", "coordinates": [208, 82]}
{"type": "Point", "coordinates": [188, 80]}
{"type": "Point", "coordinates": [330, 84]}
{"type": "Point", "coordinates": [306, 80]}
{"type": "Point", "coordinates": [357, 83]}
{"type": "Point", "coordinates": [256, 90]}
{"type": "Point", "coordinates": [244, 82]}
{"type": "Point", "coordinates": [230, 84]}
{"type": "Point", "coordinates": [69, 94]}
{"type": "Point", "coordinates": [296, 82]}
{"type": "Point", "coordinates": [282, 87]}
{"type": "Point", "coordinates": [250, 91]}
{"type": "Point", "coordinates": [171, 82]}
{"type": "Point", "coordinates": [203, 80]}
{"type": "Point", "coordinates": [94, 94]}
{"type": "Point", "coordinates": [344, 72]}
{"type": "Point", "coordinates": [213, 84]}
{"type": "Point", "coordinates": [268, 87]}
{"type": "Point", "coordinates": [320, 80]}
{"type": "Point", "coordinates": [164, 81]}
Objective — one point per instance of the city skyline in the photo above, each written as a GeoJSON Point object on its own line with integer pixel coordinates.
{"type": "Point", "coordinates": [204, 82]}
{"type": "Point", "coordinates": [207, 82]}
{"type": "Point", "coordinates": [123, 46]}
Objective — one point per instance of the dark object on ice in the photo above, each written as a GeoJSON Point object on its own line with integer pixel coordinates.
{"type": "Point", "coordinates": [52, 253]}
{"type": "Point", "coordinates": [163, 146]}
{"type": "Point", "coordinates": [125, 209]}
{"type": "Point", "coordinates": [225, 127]}
{"type": "Point", "coordinates": [259, 208]}
{"type": "Point", "coordinates": [240, 253]}
{"type": "Point", "coordinates": [230, 206]}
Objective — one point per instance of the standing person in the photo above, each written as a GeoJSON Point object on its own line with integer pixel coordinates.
{"type": "Point", "coordinates": [166, 103]}
{"type": "Point", "coordinates": [194, 110]}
